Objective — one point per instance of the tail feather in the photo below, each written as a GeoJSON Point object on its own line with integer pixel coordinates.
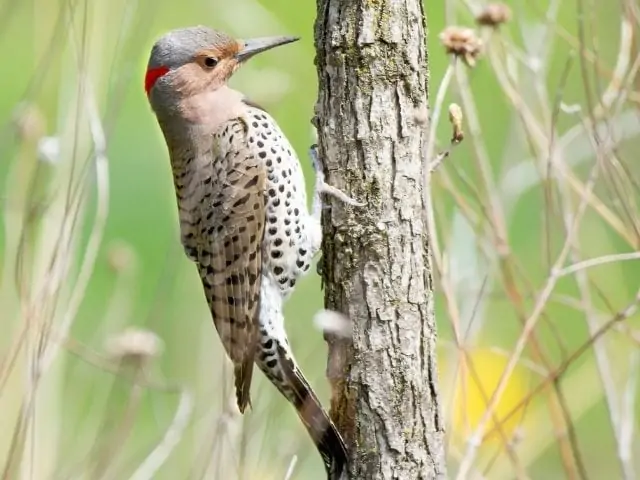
{"type": "Point", "coordinates": [317, 422]}
{"type": "Point", "coordinates": [323, 431]}
{"type": "Point", "coordinates": [243, 373]}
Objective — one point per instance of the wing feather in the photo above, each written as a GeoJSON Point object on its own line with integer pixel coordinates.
{"type": "Point", "coordinates": [229, 253]}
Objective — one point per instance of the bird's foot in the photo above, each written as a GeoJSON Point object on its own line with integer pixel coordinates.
{"type": "Point", "coordinates": [322, 187]}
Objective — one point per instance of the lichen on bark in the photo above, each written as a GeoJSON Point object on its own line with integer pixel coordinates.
{"type": "Point", "coordinates": [373, 74]}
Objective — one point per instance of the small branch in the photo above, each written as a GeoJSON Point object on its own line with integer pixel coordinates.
{"type": "Point", "coordinates": [529, 325]}
{"type": "Point", "coordinates": [150, 466]}
{"type": "Point", "coordinates": [594, 262]}
{"type": "Point", "coordinates": [292, 466]}
{"type": "Point", "coordinates": [428, 211]}
{"type": "Point", "coordinates": [631, 309]}
{"type": "Point", "coordinates": [627, 418]}
{"type": "Point", "coordinates": [437, 111]}
{"type": "Point", "coordinates": [95, 239]}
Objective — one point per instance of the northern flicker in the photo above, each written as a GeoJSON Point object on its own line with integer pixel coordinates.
{"type": "Point", "coordinates": [242, 210]}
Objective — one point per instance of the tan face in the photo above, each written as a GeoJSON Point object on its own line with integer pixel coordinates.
{"type": "Point", "coordinates": [210, 69]}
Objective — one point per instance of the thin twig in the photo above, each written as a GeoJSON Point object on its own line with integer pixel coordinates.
{"type": "Point", "coordinates": [429, 213]}
{"type": "Point", "coordinates": [627, 417]}
{"type": "Point", "coordinates": [631, 309]}
{"type": "Point", "coordinates": [291, 468]}
{"type": "Point", "coordinates": [437, 112]}
{"type": "Point", "coordinates": [529, 325]}
{"type": "Point", "coordinates": [594, 262]}
{"type": "Point", "coordinates": [95, 239]}
{"type": "Point", "coordinates": [150, 466]}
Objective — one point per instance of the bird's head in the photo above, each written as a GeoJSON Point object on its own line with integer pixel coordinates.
{"type": "Point", "coordinates": [189, 61]}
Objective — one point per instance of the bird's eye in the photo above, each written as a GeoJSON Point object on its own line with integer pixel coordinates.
{"type": "Point", "coordinates": [210, 62]}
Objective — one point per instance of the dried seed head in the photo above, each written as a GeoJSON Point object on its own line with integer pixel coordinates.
{"type": "Point", "coordinates": [455, 117]}
{"type": "Point", "coordinates": [462, 42]}
{"type": "Point", "coordinates": [494, 14]}
{"type": "Point", "coordinates": [333, 322]}
{"type": "Point", "coordinates": [134, 345]}
{"type": "Point", "coordinates": [421, 116]}
{"type": "Point", "coordinates": [30, 123]}
{"type": "Point", "coordinates": [49, 150]}
{"type": "Point", "coordinates": [120, 256]}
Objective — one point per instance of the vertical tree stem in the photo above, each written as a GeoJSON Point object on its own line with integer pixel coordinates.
{"type": "Point", "coordinates": [373, 71]}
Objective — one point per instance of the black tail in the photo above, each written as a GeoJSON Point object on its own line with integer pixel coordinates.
{"type": "Point", "coordinates": [323, 432]}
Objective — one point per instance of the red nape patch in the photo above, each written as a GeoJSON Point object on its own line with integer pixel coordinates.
{"type": "Point", "coordinates": [152, 76]}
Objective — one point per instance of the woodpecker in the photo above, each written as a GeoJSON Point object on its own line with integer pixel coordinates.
{"type": "Point", "coordinates": [242, 209]}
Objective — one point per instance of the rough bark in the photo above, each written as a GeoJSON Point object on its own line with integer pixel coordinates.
{"type": "Point", "coordinates": [371, 112]}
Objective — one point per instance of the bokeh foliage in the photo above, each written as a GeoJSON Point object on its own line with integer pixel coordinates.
{"type": "Point", "coordinates": [98, 419]}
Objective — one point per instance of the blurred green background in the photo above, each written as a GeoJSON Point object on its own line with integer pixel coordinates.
{"type": "Point", "coordinates": [142, 278]}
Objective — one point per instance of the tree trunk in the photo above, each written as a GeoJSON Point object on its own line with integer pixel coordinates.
{"type": "Point", "coordinates": [371, 115]}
